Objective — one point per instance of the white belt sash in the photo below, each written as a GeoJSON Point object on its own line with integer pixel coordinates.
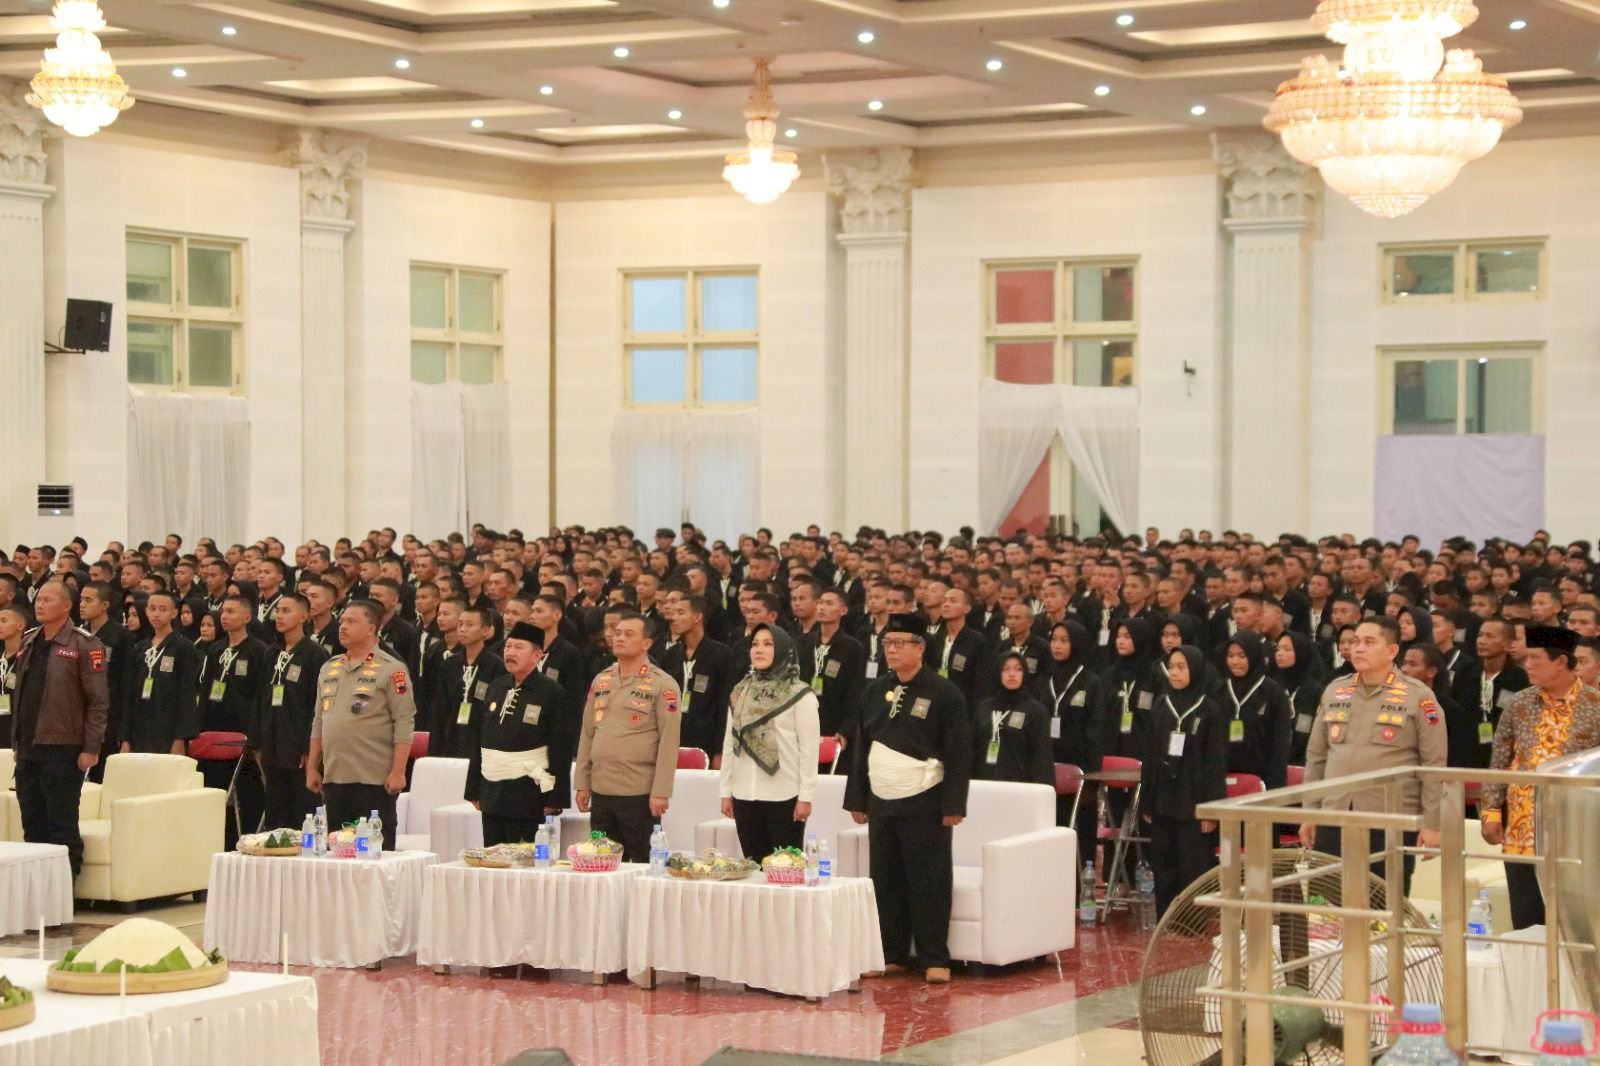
{"type": "Point", "coordinates": [896, 776]}
{"type": "Point", "coordinates": [510, 765]}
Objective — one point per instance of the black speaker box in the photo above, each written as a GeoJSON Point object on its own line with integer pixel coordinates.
{"type": "Point", "coordinates": [88, 326]}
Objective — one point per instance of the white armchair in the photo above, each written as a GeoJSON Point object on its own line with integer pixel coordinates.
{"type": "Point", "coordinates": [1015, 887]}
{"type": "Point", "coordinates": [1426, 891]}
{"type": "Point", "coordinates": [435, 782]}
{"type": "Point", "coordinates": [154, 832]}
{"type": "Point", "coordinates": [828, 819]}
{"type": "Point", "coordinates": [11, 811]}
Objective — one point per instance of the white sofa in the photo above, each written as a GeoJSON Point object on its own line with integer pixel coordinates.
{"type": "Point", "coordinates": [154, 832]}
{"type": "Point", "coordinates": [11, 811]}
{"type": "Point", "coordinates": [435, 782]}
{"type": "Point", "coordinates": [828, 819]}
{"type": "Point", "coordinates": [1427, 892]}
{"type": "Point", "coordinates": [1015, 878]}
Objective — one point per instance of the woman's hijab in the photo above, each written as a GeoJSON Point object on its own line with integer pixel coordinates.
{"type": "Point", "coordinates": [1007, 699]}
{"type": "Point", "coordinates": [762, 696]}
{"type": "Point", "coordinates": [1422, 619]}
{"type": "Point", "coordinates": [1305, 666]}
{"type": "Point", "coordinates": [1063, 671]}
{"type": "Point", "coordinates": [1137, 665]}
{"type": "Point", "coordinates": [1197, 670]}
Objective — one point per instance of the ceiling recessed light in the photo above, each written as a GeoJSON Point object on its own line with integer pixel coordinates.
{"type": "Point", "coordinates": [179, 72]}
{"type": "Point", "coordinates": [791, 132]}
{"type": "Point", "coordinates": [875, 105]}
{"type": "Point", "coordinates": [621, 51]}
{"type": "Point", "coordinates": [674, 114]}
{"type": "Point", "coordinates": [1125, 19]}
{"type": "Point", "coordinates": [1197, 110]}
{"type": "Point", "coordinates": [546, 90]}
{"type": "Point", "coordinates": [477, 123]}
{"type": "Point", "coordinates": [229, 31]}
{"type": "Point", "coordinates": [720, 3]}
{"type": "Point", "coordinates": [866, 36]}
{"type": "Point", "coordinates": [1102, 90]}
{"type": "Point", "coordinates": [994, 64]}
{"type": "Point", "coordinates": [402, 63]}
{"type": "Point", "coordinates": [1519, 24]}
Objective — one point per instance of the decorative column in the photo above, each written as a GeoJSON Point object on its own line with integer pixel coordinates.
{"type": "Point", "coordinates": [874, 188]}
{"type": "Point", "coordinates": [327, 173]}
{"type": "Point", "coordinates": [22, 402]}
{"type": "Point", "coordinates": [1268, 207]}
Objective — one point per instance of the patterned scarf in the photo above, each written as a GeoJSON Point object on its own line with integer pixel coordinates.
{"type": "Point", "coordinates": [761, 697]}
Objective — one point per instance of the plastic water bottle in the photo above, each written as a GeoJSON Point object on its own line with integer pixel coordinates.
{"type": "Point", "coordinates": [363, 839]}
{"type": "Point", "coordinates": [1479, 921]}
{"type": "Point", "coordinates": [1421, 1040]}
{"type": "Point", "coordinates": [811, 860]}
{"type": "Point", "coordinates": [375, 824]}
{"type": "Point", "coordinates": [1562, 1044]}
{"type": "Point", "coordinates": [824, 864]}
{"type": "Point", "coordinates": [553, 824]}
{"type": "Point", "coordinates": [322, 830]}
{"type": "Point", "coordinates": [541, 846]}
{"type": "Point", "coordinates": [1086, 910]}
{"type": "Point", "coordinates": [308, 837]}
{"type": "Point", "coordinates": [658, 853]}
{"type": "Point", "coordinates": [1144, 880]}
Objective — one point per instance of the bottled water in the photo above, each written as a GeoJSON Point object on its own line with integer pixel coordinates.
{"type": "Point", "coordinates": [811, 860]}
{"type": "Point", "coordinates": [322, 830]}
{"type": "Point", "coordinates": [308, 837]}
{"type": "Point", "coordinates": [1086, 910]}
{"type": "Point", "coordinates": [658, 853]}
{"type": "Point", "coordinates": [824, 864]}
{"type": "Point", "coordinates": [541, 846]}
{"type": "Point", "coordinates": [1144, 880]}
{"type": "Point", "coordinates": [1421, 1040]}
{"type": "Point", "coordinates": [1562, 1044]}
{"type": "Point", "coordinates": [553, 825]}
{"type": "Point", "coordinates": [1479, 921]}
{"type": "Point", "coordinates": [375, 824]}
{"type": "Point", "coordinates": [363, 839]}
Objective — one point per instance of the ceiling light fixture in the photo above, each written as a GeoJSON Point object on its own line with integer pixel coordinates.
{"type": "Point", "coordinates": [1197, 110]}
{"type": "Point", "coordinates": [761, 173]}
{"type": "Point", "coordinates": [1401, 118]}
{"type": "Point", "coordinates": [77, 86]}
{"type": "Point", "coordinates": [621, 51]}
{"type": "Point", "coordinates": [866, 36]}
{"type": "Point", "coordinates": [546, 90]}
{"type": "Point", "coordinates": [1519, 24]}
{"type": "Point", "coordinates": [791, 132]}
{"type": "Point", "coordinates": [674, 114]}
{"type": "Point", "coordinates": [229, 31]}
{"type": "Point", "coordinates": [720, 3]}
{"type": "Point", "coordinates": [875, 105]}
{"type": "Point", "coordinates": [179, 72]}
{"type": "Point", "coordinates": [402, 63]}
{"type": "Point", "coordinates": [1125, 19]}
{"type": "Point", "coordinates": [477, 123]}
{"type": "Point", "coordinates": [1102, 90]}
{"type": "Point", "coordinates": [994, 65]}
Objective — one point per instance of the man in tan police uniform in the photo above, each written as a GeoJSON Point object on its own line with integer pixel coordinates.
{"type": "Point", "coordinates": [628, 747]}
{"type": "Point", "coordinates": [1377, 720]}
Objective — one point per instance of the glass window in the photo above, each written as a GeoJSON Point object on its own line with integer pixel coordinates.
{"type": "Point", "coordinates": [477, 303]}
{"type": "Point", "coordinates": [430, 362]}
{"type": "Point", "coordinates": [150, 272]}
{"type": "Point", "coordinates": [430, 290]}
{"type": "Point", "coordinates": [478, 363]}
{"type": "Point", "coordinates": [658, 304]}
{"type": "Point", "coordinates": [1102, 294]}
{"type": "Point", "coordinates": [728, 303]}
{"type": "Point", "coordinates": [150, 353]}
{"type": "Point", "coordinates": [1431, 273]}
{"type": "Point", "coordinates": [1024, 296]}
{"type": "Point", "coordinates": [1105, 362]}
{"type": "Point", "coordinates": [1025, 362]}
{"type": "Point", "coordinates": [1499, 395]}
{"type": "Point", "coordinates": [210, 276]}
{"type": "Point", "coordinates": [1506, 270]}
{"type": "Point", "coordinates": [728, 375]}
{"type": "Point", "coordinates": [1425, 395]}
{"type": "Point", "coordinates": [211, 356]}
{"type": "Point", "coordinates": [658, 376]}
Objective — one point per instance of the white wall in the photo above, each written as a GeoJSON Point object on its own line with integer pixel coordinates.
{"type": "Point", "coordinates": [1534, 188]}
{"type": "Point", "coordinates": [788, 243]}
{"type": "Point", "coordinates": [1170, 223]}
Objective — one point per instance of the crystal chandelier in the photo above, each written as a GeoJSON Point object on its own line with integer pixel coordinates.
{"type": "Point", "coordinates": [77, 86]}
{"type": "Point", "coordinates": [1392, 128]}
{"type": "Point", "coordinates": [761, 173]}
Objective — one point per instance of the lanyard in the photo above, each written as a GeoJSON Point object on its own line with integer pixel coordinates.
{"type": "Point", "coordinates": [1238, 704]}
{"type": "Point", "coordinates": [278, 669]}
{"type": "Point", "coordinates": [874, 637]}
{"type": "Point", "coordinates": [5, 671]}
{"type": "Point", "coordinates": [152, 655]}
{"type": "Point", "coordinates": [688, 672]}
{"type": "Point", "coordinates": [944, 655]}
{"type": "Point", "coordinates": [894, 705]}
{"type": "Point", "coordinates": [819, 659]}
{"type": "Point", "coordinates": [226, 660]}
{"type": "Point", "coordinates": [996, 717]}
{"type": "Point", "coordinates": [1179, 719]}
{"type": "Point", "coordinates": [1057, 697]}
{"type": "Point", "coordinates": [469, 674]}
{"type": "Point", "coordinates": [1486, 694]}
{"type": "Point", "coordinates": [1126, 695]}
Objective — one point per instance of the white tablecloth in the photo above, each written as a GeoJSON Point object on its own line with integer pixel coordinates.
{"type": "Point", "coordinates": [552, 919]}
{"type": "Point", "coordinates": [790, 939]}
{"type": "Point", "coordinates": [35, 879]}
{"type": "Point", "coordinates": [1506, 993]}
{"type": "Point", "coordinates": [250, 1019]}
{"type": "Point", "coordinates": [337, 912]}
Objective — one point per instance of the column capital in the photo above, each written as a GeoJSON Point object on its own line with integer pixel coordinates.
{"type": "Point", "coordinates": [327, 168]}
{"type": "Point", "coordinates": [874, 189]}
{"type": "Point", "coordinates": [22, 127]}
{"type": "Point", "coordinates": [339, 227]}
{"type": "Point", "coordinates": [1263, 185]}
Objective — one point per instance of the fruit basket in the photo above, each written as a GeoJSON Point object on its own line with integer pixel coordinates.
{"type": "Point", "coordinates": [499, 857]}
{"type": "Point", "coordinates": [279, 843]}
{"type": "Point", "coordinates": [710, 866]}
{"type": "Point", "coordinates": [786, 866]}
{"type": "Point", "coordinates": [597, 855]}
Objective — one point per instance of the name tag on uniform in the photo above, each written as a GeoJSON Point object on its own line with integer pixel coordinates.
{"type": "Point", "coordinates": [167, 663]}
{"type": "Point", "coordinates": [1146, 701]}
{"type": "Point", "coordinates": [1485, 732]}
{"type": "Point", "coordinates": [554, 674]}
{"type": "Point", "coordinates": [242, 668]}
{"type": "Point", "coordinates": [1127, 721]}
{"type": "Point", "coordinates": [1105, 637]}
{"type": "Point", "coordinates": [5, 705]}
{"type": "Point", "coordinates": [832, 669]}
{"type": "Point", "coordinates": [481, 691]}
{"type": "Point", "coordinates": [463, 713]}
{"type": "Point", "coordinates": [1055, 728]}
{"type": "Point", "coordinates": [872, 669]}
{"type": "Point", "coordinates": [1078, 699]}
{"type": "Point", "coordinates": [530, 714]}
{"type": "Point", "coordinates": [1175, 741]}
{"type": "Point", "coordinates": [1505, 698]}
{"type": "Point", "coordinates": [1235, 731]}
{"type": "Point", "coordinates": [701, 684]}
{"type": "Point", "coordinates": [1460, 637]}
{"type": "Point", "coordinates": [921, 707]}
{"type": "Point", "coordinates": [1032, 665]}
{"type": "Point", "coordinates": [993, 755]}
{"type": "Point", "coordinates": [217, 689]}
{"type": "Point", "coordinates": [1304, 722]}
{"type": "Point", "coordinates": [293, 673]}
{"type": "Point", "coordinates": [958, 662]}
{"type": "Point", "coordinates": [277, 695]}
{"type": "Point", "coordinates": [1016, 720]}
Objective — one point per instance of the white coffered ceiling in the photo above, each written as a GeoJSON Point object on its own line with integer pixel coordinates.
{"type": "Point", "coordinates": [538, 80]}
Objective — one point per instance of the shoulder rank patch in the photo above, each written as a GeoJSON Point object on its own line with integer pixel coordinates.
{"type": "Point", "coordinates": [97, 659]}
{"type": "Point", "coordinates": [1430, 712]}
{"type": "Point", "coordinates": [603, 683]}
{"type": "Point", "coordinates": [400, 682]}
{"type": "Point", "coordinates": [672, 701]}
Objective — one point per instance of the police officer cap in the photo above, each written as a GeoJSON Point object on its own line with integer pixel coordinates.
{"type": "Point", "coordinates": [909, 624]}
{"type": "Point", "coordinates": [527, 631]}
{"type": "Point", "coordinates": [1554, 638]}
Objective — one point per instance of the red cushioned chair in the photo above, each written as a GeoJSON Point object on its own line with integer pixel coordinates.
{"type": "Point", "coordinates": [1069, 782]}
{"type": "Point", "coordinates": [828, 754]}
{"type": "Point", "coordinates": [1119, 887]}
{"type": "Point", "coordinates": [693, 759]}
{"type": "Point", "coordinates": [419, 745]}
{"type": "Point", "coordinates": [224, 747]}
{"type": "Point", "coordinates": [1244, 785]}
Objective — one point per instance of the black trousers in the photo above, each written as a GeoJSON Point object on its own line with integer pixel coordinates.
{"type": "Point", "coordinates": [502, 829]}
{"type": "Point", "coordinates": [49, 786]}
{"type": "Point", "coordinates": [1527, 899]}
{"type": "Point", "coordinates": [910, 860]}
{"type": "Point", "coordinates": [626, 819]}
{"type": "Point", "coordinates": [350, 803]}
{"type": "Point", "coordinates": [288, 800]}
{"type": "Point", "coordinates": [1327, 842]}
{"type": "Point", "coordinates": [1179, 853]}
{"type": "Point", "coordinates": [766, 825]}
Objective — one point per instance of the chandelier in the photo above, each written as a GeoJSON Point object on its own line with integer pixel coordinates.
{"type": "Point", "coordinates": [761, 173]}
{"type": "Point", "coordinates": [77, 86]}
{"type": "Point", "coordinates": [1400, 120]}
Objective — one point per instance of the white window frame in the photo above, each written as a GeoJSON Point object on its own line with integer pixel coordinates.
{"type": "Point", "coordinates": [1464, 287]}
{"type": "Point", "coordinates": [453, 336]}
{"type": "Point", "coordinates": [694, 339]}
{"type": "Point", "coordinates": [1461, 353]}
{"type": "Point", "coordinates": [180, 315]}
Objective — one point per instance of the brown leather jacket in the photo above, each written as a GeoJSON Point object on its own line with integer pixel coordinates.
{"type": "Point", "coordinates": [76, 695]}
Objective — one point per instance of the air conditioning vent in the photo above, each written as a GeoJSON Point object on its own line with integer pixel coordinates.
{"type": "Point", "coordinates": [55, 500]}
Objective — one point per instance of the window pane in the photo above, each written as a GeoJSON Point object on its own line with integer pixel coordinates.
{"type": "Point", "coordinates": [150, 273]}
{"type": "Point", "coordinates": [657, 305]}
{"type": "Point", "coordinates": [478, 363]}
{"type": "Point", "coordinates": [1507, 269]}
{"type": "Point", "coordinates": [658, 375]}
{"type": "Point", "coordinates": [727, 375]}
{"type": "Point", "coordinates": [1499, 396]}
{"type": "Point", "coordinates": [1423, 273]}
{"type": "Point", "coordinates": [149, 353]}
{"type": "Point", "coordinates": [210, 277]}
{"type": "Point", "coordinates": [428, 292]}
{"type": "Point", "coordinates": [429, 363]}
{"type": "Point", "coordinates": [211, 357]}
{"type": "Point", "coordinates": [1104, 363]}
{"type": "Point", "coordinates": [1024, 296]}
{"type": "Point", "coordinates": [1102, 294]}
{"type": "Point", "coordinates": [1025, 362]}
{"type": "Point", "coordinates": [728, 303]}
{"type": "Point", "coordinates": [1425, 396]}
{"type": "Point", "coordinates": [477, 303]}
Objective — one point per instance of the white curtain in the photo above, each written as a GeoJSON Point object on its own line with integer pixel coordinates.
{"type": "Point", "coordinates": [1477, 485]}
{"type": "Point", "coordinates": [438, 461]}
{"type": "Point", "coordinates": [699, 466]}
{"type": "Point", "coordinates": [486, 430]}
{"type": "Point", "coordinates": [188, 466]}
{"type": "Point", "coordinates": [1099, 427]}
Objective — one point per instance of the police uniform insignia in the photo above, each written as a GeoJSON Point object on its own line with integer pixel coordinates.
{"type": "Point", "coordinates": [97, 659]}
{"type": "Point", "coordinates": [1335, 731]}
{"type": "Point", "coordinates": [1430, 712]}
{"type": "Point", "coordinates": [400, 682]}
{"type": "Point", "coordinates": [672, 702]}
{"type": "Point", "coordinates": [635, 718]}
{"type": "Point", "coordinates": [602, 683]}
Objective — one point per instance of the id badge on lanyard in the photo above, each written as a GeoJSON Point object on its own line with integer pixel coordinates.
{"type": "Point", "coordinates": [464, 711]}
{"type": "Point", "coordinates": [277, 678]}
{"type": "Point", "coordinates": [993, 756]}
{"type": "Point", "coordinates": [1127, 709]}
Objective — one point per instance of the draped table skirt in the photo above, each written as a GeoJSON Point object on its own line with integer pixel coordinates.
{"type": "Point", "coordinates": [337, 912]}
{"type": "Point", "coordinates": [789, 939]}
{"type": "Point", "coordinates": [35, 879]}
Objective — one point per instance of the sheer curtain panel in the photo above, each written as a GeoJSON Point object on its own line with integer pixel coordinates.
{"type": "Point", "coordinates": [699, 466]}
{"type": "Point", "coordinates": [1016, 426]}
{"type": "Point", "coordinates": [724, 472]}
{"type": "Point", "coordinates": [438, 461]}
{"type": "Point", "coordinates": [188, 466]}
{"type": "Point", "coordinates": [1100, 427]}
{"type": "Point", "coordinates": [649, 450]}
{"type": "Point", "coordinates": [486, 433]}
